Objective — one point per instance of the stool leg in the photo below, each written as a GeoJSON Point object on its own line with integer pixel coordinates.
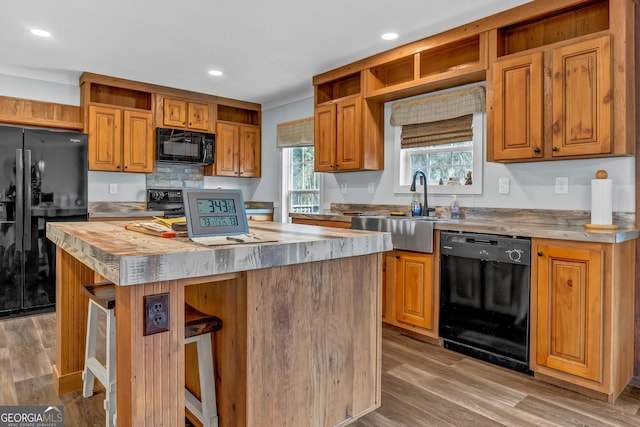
{"type": "Point", "coordinates": [110, 388]}
{"type": "Point", "coordinates": [205, 410]}
{"type": "Point", "coordinates": [90, 349]}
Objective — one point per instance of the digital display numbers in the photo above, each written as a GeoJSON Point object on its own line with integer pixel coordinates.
{"type": "Point", "coordinates": [218, 221]}
{"type": "Point", "coordinates": [214, 212]}
{"type": "Point", "coordinates": [215, 206]}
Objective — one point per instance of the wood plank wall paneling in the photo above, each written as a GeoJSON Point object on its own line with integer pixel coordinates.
{"type": "Point", "coordinates": [143, 369]}
{"type": "Point", "coordinates": [329, 301]}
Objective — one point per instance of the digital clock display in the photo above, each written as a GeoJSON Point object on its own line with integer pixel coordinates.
{"type": "Point", "coordinates": [218, 221]}
{"type": "Point", "coordinates": [215, 206]}
{"type": "Point", "coordinates": [215, 212]}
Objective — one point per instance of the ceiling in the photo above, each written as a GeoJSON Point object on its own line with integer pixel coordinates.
{"type": "Point", "coordinates": [268, 50]}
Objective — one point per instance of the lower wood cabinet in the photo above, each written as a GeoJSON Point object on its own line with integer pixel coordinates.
{"type": "Point", "coordinates": [410, 293]}
{"type": "Point", "coordinates": [582, 298]}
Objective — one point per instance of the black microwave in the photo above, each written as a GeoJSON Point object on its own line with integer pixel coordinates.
{"type": "Point", "coordinates": [184, 146]}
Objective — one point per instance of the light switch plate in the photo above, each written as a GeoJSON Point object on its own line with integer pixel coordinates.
{"type": "Point", "coordinates": [503, 186]}
{"type": "Point", "coordinates": [113, 188]}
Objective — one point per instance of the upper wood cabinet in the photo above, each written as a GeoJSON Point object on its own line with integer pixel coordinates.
{"type": "Point", "coordinates": [518, 108]}
{"type": "Point", "coordinates": [582, 102]}
{"type": "Point", "coordinates": [580, 57]}
{"type": "Point", "coordinates": [578, 103]}
{"type": "Point", "coordinates": [119, 122]}
{"type": "Point", "coordinates": [237, 150]}
{"type": "Point", "coordinates": [185, 114]}
{"type": "Point", "coordinates": [582, 317]}
{"type": "Point", "coordinates": [120, 140]}
{"type": "Point", "coordinates": [348, 132]}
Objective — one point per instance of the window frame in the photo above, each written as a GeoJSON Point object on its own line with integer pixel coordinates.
{"type": "Point", "coordinates": [286, 191]}
{"type": "Point", "coordinates": [478, 124]}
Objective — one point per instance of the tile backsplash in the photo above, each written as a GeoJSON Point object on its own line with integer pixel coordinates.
{"type": "Point", "coordinates": [169, 175]}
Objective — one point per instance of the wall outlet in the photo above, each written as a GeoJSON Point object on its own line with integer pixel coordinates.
{"type": "Point", "coordinates": [343, 188]}
{"type": "Point", "coordinates": [370, 188]}
{"type": "Point", "coordinates": [156, 313]}
{"type": "Point", "coordinates": [113, 188]}
{"type": "Point", "coordinates": [562, 185]}
{"type": "Point", "coordinates": [503, 186]}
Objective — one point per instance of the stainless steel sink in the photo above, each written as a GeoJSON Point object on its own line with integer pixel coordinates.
{"type": "Point", "coordinates": [408, 233]}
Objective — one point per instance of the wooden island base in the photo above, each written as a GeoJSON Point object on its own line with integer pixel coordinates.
{"type": "Point", "coordinates": [300, 344]}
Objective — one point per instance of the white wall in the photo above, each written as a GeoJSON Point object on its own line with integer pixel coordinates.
{"type": "Point", "coordinates": [532, 184]}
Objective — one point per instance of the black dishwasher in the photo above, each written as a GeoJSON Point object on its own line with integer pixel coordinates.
{"type": "Point", "coordinates": [484, 297]}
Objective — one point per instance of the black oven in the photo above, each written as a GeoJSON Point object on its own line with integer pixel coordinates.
{"type": "Point", "coordinates": [484, 297]}
{"type": "Point", "coordinates": [183, 146]}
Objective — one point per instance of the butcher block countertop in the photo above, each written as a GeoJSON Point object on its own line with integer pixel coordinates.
{"type": "Point", "coordinates": [128, 257]}
{"type": "Point", "coordinates": [301, 338]}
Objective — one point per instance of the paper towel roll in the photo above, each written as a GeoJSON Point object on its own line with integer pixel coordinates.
{"type": "Point", "coordinates": [601, 201]}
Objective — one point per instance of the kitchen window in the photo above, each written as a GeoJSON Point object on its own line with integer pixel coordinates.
{"type": "Point", "coordinates": [300, 184]}
{"type": "Point", "coordinates": [441, 134]}
{"type": "Point", "coordinates": [446, 165]}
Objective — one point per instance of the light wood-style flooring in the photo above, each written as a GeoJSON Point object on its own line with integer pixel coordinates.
{"type": "Point", "coordinates": [422, 385]}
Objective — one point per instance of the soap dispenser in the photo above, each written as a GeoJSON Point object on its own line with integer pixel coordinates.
{"type": "Point", "coordinates": [455, 208]}
{"type": "Point", "coordinates": [416, 207]}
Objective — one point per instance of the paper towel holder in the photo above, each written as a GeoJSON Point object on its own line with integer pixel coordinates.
{"type": "Point", "coordinates": [601, 174]}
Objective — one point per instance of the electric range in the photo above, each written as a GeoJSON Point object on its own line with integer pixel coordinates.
{"type": "Point", "coordinates": [167, 200]}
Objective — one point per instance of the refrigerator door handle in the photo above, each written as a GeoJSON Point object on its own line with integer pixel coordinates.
{"type": "Point", "coordinates": [27, 200]}
{"type": "Point", "coordinates": [19, 193]}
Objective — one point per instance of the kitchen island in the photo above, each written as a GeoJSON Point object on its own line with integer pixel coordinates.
{"type": "Point", "coordinates": [301, 336]}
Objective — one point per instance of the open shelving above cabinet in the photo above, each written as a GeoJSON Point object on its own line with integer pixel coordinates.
{"type": "Point", "coordinates": [339, 88]}
{"type": "Point", "coordinates": [238, 115]}
{"type": "Point", "coordinates": [579, 20]}
{"type": "Point", "coordinates": [120, 97]}
{"type": "Point", "coordinates": [436, 67]}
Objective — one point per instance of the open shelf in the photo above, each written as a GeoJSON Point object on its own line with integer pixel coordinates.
{"type": "Point", "coordinates": [336, 89]}
{"type": "Point", "coordinates": [238, 115]}
{"type": "Point", "coordinates": [451, 56]}
{"type": "Point", "coordinates": [583, 19]}
{"type": "Point", "coordinates": [392, 73]}
{"type": "Point", "coordinates": [120, 97]}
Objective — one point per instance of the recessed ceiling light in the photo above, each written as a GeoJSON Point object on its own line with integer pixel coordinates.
{"type": "Point", "coordinates": [389, 36]}
{"type": "Point", "coordinates": [40, 33]}
{"type": "Point", "coordinates": [215, 72]}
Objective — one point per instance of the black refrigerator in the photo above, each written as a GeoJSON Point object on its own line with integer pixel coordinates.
{"type": "Point", "coordinates": [43, 177]}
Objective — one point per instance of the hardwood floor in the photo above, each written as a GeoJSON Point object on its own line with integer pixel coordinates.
{"type": "Point", "coordinates": [422, 385]}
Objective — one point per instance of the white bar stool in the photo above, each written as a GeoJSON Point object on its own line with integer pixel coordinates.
{"type": "Point", "coordinates": [198, 327]}
{"type": "Point", "coordinates": [102, 297]}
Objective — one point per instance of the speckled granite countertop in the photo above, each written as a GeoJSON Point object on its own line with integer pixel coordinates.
{"type": "Point", "coordinates": [550, 224]}
{"type": "Point", "coordinates": [128, 257]}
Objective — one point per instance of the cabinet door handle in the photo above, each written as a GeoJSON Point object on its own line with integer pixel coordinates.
{"type": "Point", "coordinates": [540, 253]}
{"type": "Point", "coordinates": [555, 149]}
{"type": "Point", "coordinates": [536, 150]}
{"type": "Point", "coordinates": [118, 167]}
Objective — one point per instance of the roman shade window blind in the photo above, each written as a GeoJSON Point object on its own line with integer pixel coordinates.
{"type": "Point", "coordinates": [298, 133]}
{"type": "Point", "coordinates": [438, 119]}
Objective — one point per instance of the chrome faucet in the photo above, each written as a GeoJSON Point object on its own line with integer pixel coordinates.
{"type": "Point", "coordinates": [423, 180]}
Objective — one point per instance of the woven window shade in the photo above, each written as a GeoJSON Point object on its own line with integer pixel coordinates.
{"type": "Point", "coordinates": [438, 119]}
{"type": "Point", "coordinates": [437, 133]}
{"type": "Point", "coordinates": [298, 133]}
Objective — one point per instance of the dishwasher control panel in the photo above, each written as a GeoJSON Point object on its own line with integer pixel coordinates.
{"type": "Point", "coordinates": [487, 247]}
